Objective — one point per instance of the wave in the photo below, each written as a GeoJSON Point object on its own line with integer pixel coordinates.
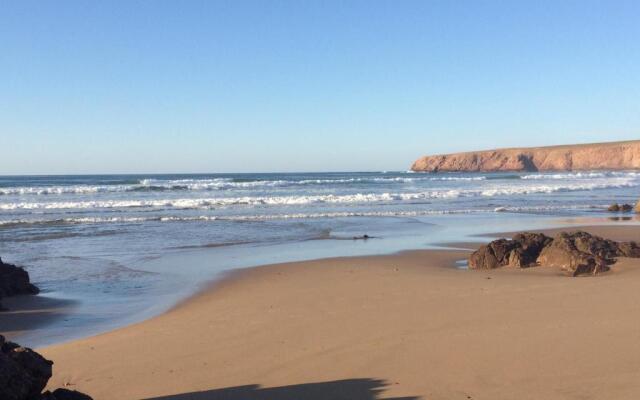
{"type": "Point", "coordinates": [208, 203]}
{"type": "Point", "coordinates": [154, 185]}
{"type": "Point", "coordinates": [283, 216]}
{"type": "Point", "coordinates": [209, 218]}
{"type": "Point", "coordinates": [582, 175]}
{"type": "Point", "coordinates": [227, 183]}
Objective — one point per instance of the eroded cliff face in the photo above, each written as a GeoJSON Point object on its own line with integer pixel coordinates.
{"type": "Point", "coordinates": [613, 156]}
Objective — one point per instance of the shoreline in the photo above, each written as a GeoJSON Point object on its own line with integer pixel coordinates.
{"type": "Point", "coordinates": [28, 314]}
{"type": "Point", "coordinates": [404, 324]}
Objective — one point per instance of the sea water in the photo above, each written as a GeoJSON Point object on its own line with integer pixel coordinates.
{"type": "Point", "coordinates": [126, 247]}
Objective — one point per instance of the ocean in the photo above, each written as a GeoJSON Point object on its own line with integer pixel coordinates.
{"type": "Point", "coordinates": [125, 247]}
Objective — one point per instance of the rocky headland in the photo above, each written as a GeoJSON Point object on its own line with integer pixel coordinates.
{"type": "Point", "coordinates": [596, 156]}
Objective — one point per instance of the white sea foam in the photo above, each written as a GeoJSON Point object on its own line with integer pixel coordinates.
{"type": "Point", "coordinates": [582, 175]}
{"type": "Point", "coordinates": [221, 184]}
{"type": "Point", "coordinates": [256, 217]}
{"type": "Point", "coordinates": [302, 215]}
{"type": "Point", "coordinates": [215, 184]}
{"type": "Point", "coordinates": [212, 202]}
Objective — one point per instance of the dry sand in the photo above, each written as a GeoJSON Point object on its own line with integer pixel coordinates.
{"type": "Point", "coordinates": [404, 325]}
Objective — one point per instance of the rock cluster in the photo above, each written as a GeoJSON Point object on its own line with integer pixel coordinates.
{"type": "Point", "coordinates": [14, 280]}
{"type": "Point", "coordinates": [615, 207]}
{"type": "Point", "coordinates": [575, 253]}
{"type": "Point", "coordinates": [24, 374]}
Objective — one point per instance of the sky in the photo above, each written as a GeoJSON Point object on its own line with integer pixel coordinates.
{"type": "Point", "coordinates": [264, 86]}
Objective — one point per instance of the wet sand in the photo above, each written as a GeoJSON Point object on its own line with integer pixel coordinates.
{"type": "Point", "coordinates": [407, 325]}
{"type": "Point", "coordinates": [30, 313]}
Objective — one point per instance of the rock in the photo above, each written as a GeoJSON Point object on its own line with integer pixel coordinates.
{"type": "Point", "coordinates": [582, 253]}
{"type": "Point", "coordinates": [628, 249]}
{"type": "Point", "coordinates": [564, 254]}
{"type": "Point", "coordinates": [590, 244]}
{"type": "Point", "coordinates": [521, 251]}
{"type": "Point", "coordinates": [596, 156]}
{"type": "Point", "coordinates": [13, 281]}
{"type": "Point", "coordinates": [576, 253]}
{"type": "Point", "coordinates": [637, 207]}
{"type": "Point", "coordinates": [363, 237]}
{"type": "Point", "coordinates": [626, 207]}
{"type": "Point", "coordinates": [491, 255]}
{"type": "Point", "coordinates": [23, 372]}
{"type": "Point", "coordinates": [65, 394]}
{"type": "Point", "coordinates": [615, 207]}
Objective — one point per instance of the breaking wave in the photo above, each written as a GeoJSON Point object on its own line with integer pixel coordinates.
{"type": "Point", "coordinates": [302, 215]}
{"type": "Point", "coordinates": [155, 185]}
{"type": "Point", "coordinates": [208, 203]}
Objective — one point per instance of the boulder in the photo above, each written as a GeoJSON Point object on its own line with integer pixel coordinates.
{"type": "Point", "coordinates": [491, 255]}
{"type": "Point", "coordinates": [576, 253]}
{"type": "Point", "coordinates": [637, 207]}
{"type": "Point", "coordinates": [615, 207]}
{"type": "Point", "coordinates": [590, 244]}
{"type": "Point", "coordinates": [23, 372]}
{"type": "Point", "coordinates": [628, 249]}
{"type": "Point", "coordinates": [14, 280]}
{"type": "Point", "coordinates": [521, 252]}
{"type": "Point", "coordinates": [582, 253]}
{"type": "Point", "coordinates": [563, 253]}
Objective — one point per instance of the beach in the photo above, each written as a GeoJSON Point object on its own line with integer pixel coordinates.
{"type": "Point", "coordinates": [119, 249]}
{"type": "Point", "coordinates": [330, 200]}
{"type": "Point", "coordinates": [405, 325]}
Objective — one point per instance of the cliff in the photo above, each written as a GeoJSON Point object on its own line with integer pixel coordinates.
{"type": "Point", "coordinates": [612, 155]}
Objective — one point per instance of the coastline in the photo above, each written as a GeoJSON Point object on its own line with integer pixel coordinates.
{"type": "Point", "coordinates": [406, 324]}
{"type": "Point", "coordinates": [92, 315]}
{"type": "Point", "coordinates": [110, 243]}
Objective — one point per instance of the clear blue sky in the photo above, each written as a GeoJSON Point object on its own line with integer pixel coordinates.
{"type": "Point", "coordinates": [186, 86]}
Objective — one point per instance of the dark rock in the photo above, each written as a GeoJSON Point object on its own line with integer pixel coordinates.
{"type": "Point", "coordinates": [582, 253]}
{"type": "Point", "coordinates": [564, 254]}
{"type": "Point", "coordinates": [65, 394]}
{"type": "Point", "coordinates": [576, 253]}
{"type": "Point", "coordinates": [363, 237]}
{"type": "Point", "coordinates": [14, 280]}
{"type": "Point", "coordinates": [23, 372]}
{"type": "Point", "coordinates": [531, 244]}
{"type": "Point", "coordinates": [590, 244]}
{"type": "Point", "coordinates": [614, 207]}
{"type": "Point", "coordinates": [628, 249]}
{"type": "Point", "coordinates": [491, 255]}
{"type": "Point", "coordinates": [521, 251]}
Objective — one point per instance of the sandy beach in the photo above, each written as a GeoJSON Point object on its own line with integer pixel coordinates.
{"type": "Point", "coordinates": [407, 325]}
{"type": "Point", "coordinates": [320, 200]}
